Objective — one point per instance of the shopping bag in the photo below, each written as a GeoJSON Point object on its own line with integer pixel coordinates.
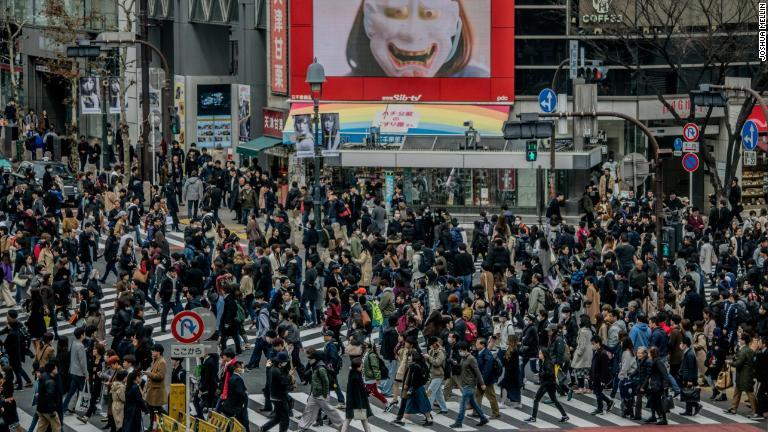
{"type": "Point", "coordinates": [83, 401]}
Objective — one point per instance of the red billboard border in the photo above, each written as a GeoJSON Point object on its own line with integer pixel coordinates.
{"type": "Point", "coordinates": [498, 89]}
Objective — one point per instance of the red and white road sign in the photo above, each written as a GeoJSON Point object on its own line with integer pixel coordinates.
{"type": "Point", "coordinates": [690, 132]}
{"type": "Point", "coordinates": [187, 327]}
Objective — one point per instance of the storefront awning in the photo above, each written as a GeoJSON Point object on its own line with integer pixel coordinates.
{"type": "Point", "coordinates": [398, 120]}
{"type": "Point", "coordinates": [253, 147]}
{"type": "Point", "coordinates": [758, 117]}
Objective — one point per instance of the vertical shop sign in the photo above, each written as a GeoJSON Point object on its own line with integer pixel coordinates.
{"type": "Point", "coordinates": [278, 60]}
{"type": "Point", "coordinates": [389, 188]}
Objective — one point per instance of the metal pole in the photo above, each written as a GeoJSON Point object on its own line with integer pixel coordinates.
{"type": "Point", "coordinates": [104, 121]}
{"type": "Point", "coordinates": [143, 34]}
{"type": "Point", "coordinates": [753, 93]}
{"type": "Point", "coordinates": [318, 198]}
{"type": "Point", "coordinates": [187, 395]}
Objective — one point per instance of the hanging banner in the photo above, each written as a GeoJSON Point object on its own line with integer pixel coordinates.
{"type": "Point", "coordinates": [278, 58]}
{"type": "Point", "coordinates": [244, 112]}
{"type": "Point", "coordinates": [114, 95]}
{"type": "Point", "coordinates": [329, 122]}
{"type": "Point", "coordinates": [304, 136]}
{"type": "Point", "coordinates": [179, 110]}
{"type": "Point", "coordinates": [90, 95]}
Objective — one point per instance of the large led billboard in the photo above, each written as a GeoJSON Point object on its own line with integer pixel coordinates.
{"type": "Point", "coordinates": [405, 50]}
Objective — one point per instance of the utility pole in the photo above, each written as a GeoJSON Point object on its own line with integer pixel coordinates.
{"type": "Point", "coordinates": [144, 156]}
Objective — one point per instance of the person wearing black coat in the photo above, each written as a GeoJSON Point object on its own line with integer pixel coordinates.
{"type": "Point", "coordinates": [689, 376]}
{"type": "Point", "coordinates": [600, 374]}
{"type": "Point", "coordinates": [640, 377]}
{"type": "Point", "coordinates": [693, 304]}
{"type": "Point", "coordinates": [14, 348]}
{"type": "Point", "coordinates": [530, 341]}
{"type": "Point", "coordinates": [279, 382]}
{"type": "Point", "coordinates": [512, 381]}
{"type": "Point", "coordinates": [357, 397]}
{"type": "Point", "coordinates": [548, 386]}
{"type": "Point", "coordinates": [230, 327]}
{"type": "Point", "coordinates": [235, 405]}
{"type": "Point", "coordinates": [134, 404]}
{"type": "Point", "coordinates": [205, 397]}
{"type": "Point", "coordinates": [655, 388]}
{"type": "Point", "coordinates": [48, 399]}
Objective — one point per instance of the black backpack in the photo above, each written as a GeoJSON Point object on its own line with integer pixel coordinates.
{"type": "Point", "coordinates": [383, 368]}
{"type": "Point", "coordinates": [549, 300]}
{"type": "Point", "coordinates": [484, 325]}
{"type": "Point", "coordinates": [427, 260]}
{"type": "Point", "coordinates": [324, 238]}
{"type": "Point", "coordinates": [498, 366]}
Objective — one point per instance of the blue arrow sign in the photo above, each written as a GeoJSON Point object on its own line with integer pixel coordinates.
{"type": "Point", "coordinates": [749, 134]}
{"type": "Point", "coordinates": [188, 324]}
{"type": "Point", "coordinates": [678, 144]}
{"type": "Point", "coordinates": [547, 101]}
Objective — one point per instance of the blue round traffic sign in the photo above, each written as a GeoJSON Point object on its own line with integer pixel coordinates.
{"type": "Point", "coordinates": [547, 100]}
{"type": "Point", "coordinates": [749, 135]}
{"type": "Point", "coordinates": [690, 162]}
{"type": "Point", "coordinates": [678, 144]}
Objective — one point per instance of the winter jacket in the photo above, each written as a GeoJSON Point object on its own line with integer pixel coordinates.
{"type": "Point", "coordinates": [193, 189]}
{"type": "Point", "coordinates": [582, 356]}
{"type": "Point", "coordinates": [745, 369]}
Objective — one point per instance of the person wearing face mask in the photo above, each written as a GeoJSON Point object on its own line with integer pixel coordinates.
{"type": "Point", "coordinates": [471, 378]}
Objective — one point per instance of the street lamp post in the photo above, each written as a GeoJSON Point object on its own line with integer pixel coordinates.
{"type": "Point", "coordinates": [315, 79]}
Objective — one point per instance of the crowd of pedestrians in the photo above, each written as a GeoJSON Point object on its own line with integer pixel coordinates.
{"type": "Point", "coordinates": [415, 308]}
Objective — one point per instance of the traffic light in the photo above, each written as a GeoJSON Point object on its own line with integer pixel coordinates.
{"type": "Point", "coordinates": [708, 98]}
{"type": "Point", "coordinates": [531, 150]}
{"type": "Point", "coordinates": [593, 71]}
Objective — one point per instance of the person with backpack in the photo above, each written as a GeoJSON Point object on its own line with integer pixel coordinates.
{"type": "Point", "coordinates": [333, 362]}
{"type": "Point", "coordinates": [491, 369]}
{"type": "Point", "coordinates": [374, 370]}
{"type": "Point", "coordinates": [320, 384]}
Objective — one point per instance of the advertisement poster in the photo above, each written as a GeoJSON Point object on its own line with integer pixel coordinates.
{"type": "Point", "coordinates": [278, 44]}
{"type": "Point", "coordinates": [114, 95]}
{"type": "Point", "coordinates": [380, 38]}
{"type": "Point", "coordinates": [90, 95]}
{"type": "Point", "coordinates": [397, 119]}
{"type": "Point", "coordinates": [389, 188]}
{"type": "Point", "coordinates": [179, 109]}
{"type": "Point", "coordinates": [303, 136]}
{"type": "Point", "coordinates": [405, 51]}
{"type": "Point", "coordinates": [274, 122]}
{"type": "Point", "coordinates": [244, 112]}
{"type": "Point", "coordinates": [331, 136]}
{"type": "Point", "coordinates": [214, 131]}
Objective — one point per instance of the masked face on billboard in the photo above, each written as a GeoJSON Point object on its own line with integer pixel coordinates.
{"type": "Point", "coordinates": [412, 38]}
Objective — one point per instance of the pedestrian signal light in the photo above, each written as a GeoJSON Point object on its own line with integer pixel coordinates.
{"type": "Point", "coordinates": [531, 150]}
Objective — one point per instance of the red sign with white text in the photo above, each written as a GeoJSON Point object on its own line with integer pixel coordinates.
{"type": "Point", "coordinates": [407, 51]}
{"type": "Point", "coordinates": [278, 63]}
{"type": "Point", "coordinates": [274, 122]}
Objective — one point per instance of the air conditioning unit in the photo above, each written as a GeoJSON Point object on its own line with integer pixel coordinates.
{"type": "Point", "coordinates": [598, 31]}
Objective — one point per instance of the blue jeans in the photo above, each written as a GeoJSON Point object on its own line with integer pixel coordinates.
{"type": "Point", "coordinates": [137, 230]}
{"type": "Point", "coordinates": [192, 208]}
{"type": "Point", "coordinates": [76, 384]}
{"type": "Point", "coordinates": [466, 282]}
{"type": "Point", "coordinates": [260, 346]}
{"type": "Point", "coordinates": [436, 393]}
{"type": "Point", "coordinates": [468, 395]}
{"type": "Point", "coordinates": [244, 213]}
{"type": "Point", "coordinates": [19, 293]}
{"type": "Point", "coordinates": [385, 386]}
